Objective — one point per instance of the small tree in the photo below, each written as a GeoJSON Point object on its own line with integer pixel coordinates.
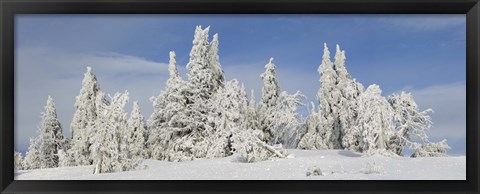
{"type": "Point", "coordinates": [32, 158]}
{"type": "Point", "coordinates": [18, 161]}
{"type": "Point", "coordinates": [51, 138]}
{"type": "Point", "coordinates": [135, 133]}
{"type": "Point", "coordinates": [410, 123]}
{"type": "Point", "coordinates": [431, 149]}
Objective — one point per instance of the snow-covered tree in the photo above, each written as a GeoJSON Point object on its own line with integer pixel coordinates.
{"type": "Point", "coordinates": [135, 133]}
{"type": "Point", "coordinates": [410, 123]}
{"type": "Point", "coordinates": [84, 118]}
{"type": "Point", "coordinates": [190, 137]}
{"type": "Point", "coordinates": [285, 118]}
{"type": "Point", "coordinates": [347, 107]}
{"type": "Point", "coordinates": [270, 94]}
{"type": "Point", "coordinates": [228, 113]}
{"type": "Point", "coordinates": [375, 121]}
{"type": "Point", "coordinates": [329, 96]}
{"type": "Point", "coordinates": [323, 125]}
{"type": "Point", "coordinates": [32, 157]}
{"type": "Point", "coordinates": [18, 161]}
{"type": "Point", "coordinates": [431, 149]}
{"type": "Point", "coordinates": [51, 137]}
{"type": "Point", "coordinates": [203, 75]}
{"type": "Point", "coordinates": [315, 136]}
{"type": "Point", "coordinates": [213, 60]}
{"type": "Point", "coordinates": [169, 120]}
{"type": "Point", "coordinates": [107, 151]}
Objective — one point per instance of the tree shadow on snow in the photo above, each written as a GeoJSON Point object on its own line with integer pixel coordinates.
{"type": "Point", "coordinates": [348, 153]}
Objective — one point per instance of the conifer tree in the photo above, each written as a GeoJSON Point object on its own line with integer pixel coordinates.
{"type": "Point", "coordinates": [108, 153]}
{"type": "Point", "coordinates": [347, 107]}
{"type": "Point", "coordinates": [51, 137]}
{"type": "Point", "coordinates": [169, 120]}
{"type": "Point", "coordinates": [32, 157]}
{"type": "Point", "coordinates": [84, 118]}
{"type": "Point", "coordinates": [135, 133]}
{"type": "Point", "coordinates": [228, 115]}
{"type": "Point", "coordinates": [270, 95]}
{"type": "Point", "coordinates": [375, 122]}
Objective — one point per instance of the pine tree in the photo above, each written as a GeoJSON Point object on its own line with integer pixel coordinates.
{"type": "Point", "coordinates": [51, 138]}
{"type": "Point", "coordinates": [410, 123]}
{"type": "Point", "coordinates": [169, 120]}
{"type": "Point", "coordinates": [32, 158]}
{"type": "Point", "coordinates": [108, 153]}
{"type": "Point", "coordinates": [191, 137]}
{"type": "Point", "coordinates": [84, 118]}
{"type": "Point", "coordinates": [270, 95]}
{"type": "Point", "coordinates": [323, 126]}
{"type": "Point", "coordinates": [136, 130]}
{"type": "Point", "coordinates": [347, 107]}
{"type": "Point", "coordinates": [227, 114]}
{"type": "Point", "coordinates": [375, 123]}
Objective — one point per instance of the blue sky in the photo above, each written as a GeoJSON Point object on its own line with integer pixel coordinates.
{"type": "Point", "coordinates": [422, 54]}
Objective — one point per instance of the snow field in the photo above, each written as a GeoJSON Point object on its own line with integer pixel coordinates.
{"type": "Point", "coordinates": [334, 164]}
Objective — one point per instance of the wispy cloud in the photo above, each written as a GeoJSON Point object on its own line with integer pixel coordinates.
{"type": "Point", "coordinates": [425, 22]}
{"type": "Point", "coordinates": [449, 104]}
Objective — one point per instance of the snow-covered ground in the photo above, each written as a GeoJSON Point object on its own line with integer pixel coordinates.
{"type": "Point", "coordinates": [334, 164]}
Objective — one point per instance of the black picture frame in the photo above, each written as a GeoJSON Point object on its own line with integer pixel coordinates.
{"type": "Point", "coordinates": [8, 8]}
